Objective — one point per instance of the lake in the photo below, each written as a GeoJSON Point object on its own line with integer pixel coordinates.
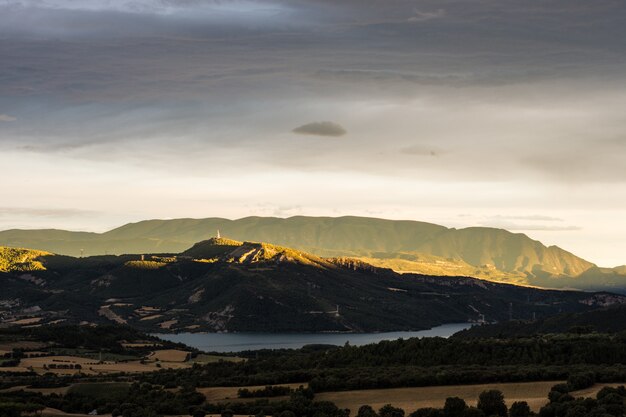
{"type": "Point", "coordinates": [237, 342]}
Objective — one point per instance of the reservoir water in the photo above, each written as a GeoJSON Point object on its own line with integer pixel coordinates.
{"type": "Point", "coordinates": [237, 342]}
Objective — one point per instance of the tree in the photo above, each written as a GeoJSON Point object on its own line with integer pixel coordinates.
{"type": "Point", "coordinates": [492, 403]}
{"type": "Point", "coordinates": [427, 412]}
{"type": "Point", "coordinates": [519, 409]}
{"type": "Point", "coordinates": [454, 407]}
{"type": "Point", "coordinates": [581, 381]}
{"type": "Point", "coordinates": [473, 412]}
{"type": "Point", "coordinates": [366, 411]}
{"type": "Point", "coordinates": [390, 411]}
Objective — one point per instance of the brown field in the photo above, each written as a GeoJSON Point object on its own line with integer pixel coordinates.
{"type": "Point", "coordinates": [152, 317]}
{"type": "Point", "coordinates": [410, 399]}
{"type": "Point", "coordinates": [52, 412]}
{"type": "Point", "coordinates": [91, 366]}
{"type": "Point", "coordinates": [219, 394]}
{"type": "Point", "coordinates": [13, 369]}
{"type": "Point", "coordinates": [168, 324]}
{"type": "Point", "coordinates": [31, 320]}
{"type": "Point", "coordinates": [169, 355]}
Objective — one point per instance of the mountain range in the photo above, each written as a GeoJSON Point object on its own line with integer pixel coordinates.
{"type": "Point", "coordinates": [404, 246]}
{"type": "Point", "coordinates": [226, 285]}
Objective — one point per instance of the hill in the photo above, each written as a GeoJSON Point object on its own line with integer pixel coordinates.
{"type": "Point", "coordinates": [606, 320]}
{"type": "Point", "coordinates": [405, 246]}
{"type": "Point", "coordinates": [226, 285]}
{"type": "Point", "coordinates": [17, 259]}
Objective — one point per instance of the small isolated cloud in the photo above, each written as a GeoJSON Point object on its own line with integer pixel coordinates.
{"type": "Point", "coordinates": [420, 150]}
{"type": "Point", "coordinates": [420, 16]}
{"type": "Point", "coordinates": [321, 129]}
{"type": "Point", "coordinates": [7, 118]}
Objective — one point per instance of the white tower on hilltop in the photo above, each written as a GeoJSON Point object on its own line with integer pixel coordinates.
{"type": "Point", "coordinates": [218, 234]}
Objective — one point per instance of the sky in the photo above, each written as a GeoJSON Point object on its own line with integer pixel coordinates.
{"type": "Point", "coordinates": [494, 113]}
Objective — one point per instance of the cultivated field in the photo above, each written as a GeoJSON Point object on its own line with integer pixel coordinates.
{"type": "Point", "coordinates": [410, 399]}
{"type": "Point", "coordinates": [52, 412]}
{"type": "Point", "coordinates": [169, 355]}
{"type": "Point", "coordinates": [68, 365]}
{"type": "Point", "coordinates": [89, 366]}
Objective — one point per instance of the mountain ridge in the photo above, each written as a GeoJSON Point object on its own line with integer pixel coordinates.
{"type": "Point", "coordinates": [402, 245]}
{"type": "Point", "coordinates": [224, 285]}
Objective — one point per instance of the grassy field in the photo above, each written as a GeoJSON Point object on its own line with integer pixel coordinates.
{"type": "Point", "coordinates": [410, 399]}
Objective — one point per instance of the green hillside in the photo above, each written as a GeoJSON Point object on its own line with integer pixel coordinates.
{"type": "Point", "coordinates": [405, 246]}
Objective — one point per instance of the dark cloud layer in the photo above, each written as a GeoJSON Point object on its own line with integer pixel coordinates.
{"type": "Point", "coordinates": [122, 110]}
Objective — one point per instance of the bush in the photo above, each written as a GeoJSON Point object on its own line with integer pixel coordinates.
{"type": "Point", "coordinates": [390, 411]}
{"type": "Point", "coordinates": [366, 411]}
{"type": "Point", "coordinates": [427, 412]}
{"type": "Point", "coordinates": [473, 412]}
{"type": "Point", "coordinates": [454, 407]}
{"type": "Point", "coordinates": [581, 381]}
{"type": "Point", "coordinates": [519, 409]}
{"type": "Point", "coordinates": [492, 403]}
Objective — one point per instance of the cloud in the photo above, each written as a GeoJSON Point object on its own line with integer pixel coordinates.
{"type": "Point", "coordinates": [7, 118]}
{"type": "Point", "coordinates": [42, 212]}
{"type": "Point", "coordinates": [321, 129]}
{"type": "Point", "coordinates": [421, 150]}
{"type": "Point", "coordinates": [514, 226]}
{"type": "Point", "coordinates": [532, 217]}
{"type": "Point", "coordinates": [421, 16]}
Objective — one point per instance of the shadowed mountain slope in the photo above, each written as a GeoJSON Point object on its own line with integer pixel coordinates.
{"type": "Point", "coordinates": [226, 285]}
{"type": "Point", "coordinates": [606, 320]}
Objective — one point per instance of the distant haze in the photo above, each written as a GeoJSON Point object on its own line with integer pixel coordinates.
{"type": "Point", "coordinates": [463, 113]}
